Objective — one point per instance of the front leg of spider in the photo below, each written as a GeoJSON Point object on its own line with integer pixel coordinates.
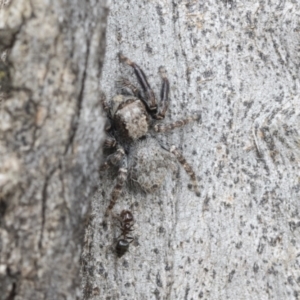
{"type": "Point", "coordinates": [150, 99]}
{"type": "Point", "coordinates": [164, 95]}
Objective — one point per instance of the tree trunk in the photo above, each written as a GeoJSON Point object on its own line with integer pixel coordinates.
{"type": "Point", "coordinates": [51, 135]}
{"type": "Point", "coordinates": [238, 63]}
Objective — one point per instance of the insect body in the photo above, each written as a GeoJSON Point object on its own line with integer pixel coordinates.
{"type": "Point", "coordinates": [132, 119]}
{"type": "Point", "coordinates": [127, 221]}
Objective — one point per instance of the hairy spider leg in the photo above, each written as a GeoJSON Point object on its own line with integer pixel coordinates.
{"type": "Point", "coordinates": [187, 167]}
{"type": "Point", "coordinates": [164, 95]}
{"type": "Point", "coordinates": [113, 159]}
{"type": "Point", "coordinates": [176, 124]}
{"type": "Point", "coordinates": [105, 105]}
{"type": "Point", "coordinates": [150, 100]}
{"type": "Point", "coordinates": [110, 142]}
{"type": "Point", "coordinates": [121, 179]}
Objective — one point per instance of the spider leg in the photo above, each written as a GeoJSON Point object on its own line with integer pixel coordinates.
{"type": "Point", "coordinates": [150, 100]}
{"type": "Point", "coordinates": [105, 105]}
{"type": "Point", "coordinates": [113, 159]}
{"type": "Point", "coordinates": [176, 124]}
{"type": "Point", "coordinates": [110, 142]}
{"type": "Point", "coordinates": [187, 167]}
{"type": "Point", "coordinates": [164, 95]}
{"type": "Point", "coordinates": [121, 179]}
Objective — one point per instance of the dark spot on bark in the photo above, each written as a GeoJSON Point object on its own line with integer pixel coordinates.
{"type": "Point", "coordinates": [5, 80]}
{"type": "Point", "coordinates": [161, 229]}
{"type": "Point", "coordinates": [91, 271]}
{"type": "Point", "coordinates": [226, 205]}
{"type": "Point", "coordinates": [3, 207]}
{"type": "Point", "coordinates": [156, 294]}
{"type": "Point", "coordinates": [125, 264]}
{"type": "Point", "coordinates": [156, 251]}
{"type": "Point", "coordinates": [293, 225]}
{"type": "Point", "coordinates": [296, 294]}
{"type": "Point", "coordinates": [159, 12]}
{"type": "Point", "coordinates": [187, 290]}
{"type": "Point", "coordinates": [231, 275]}
{"type": "Point", "coordinates": [104, 225]}
{"type": "Point", "coordinates": [263, 56]}
{"type": "Point", "coordinates": [149, 49]}
{"type": "Point", "coordinates": [158, 280]}
{"type": "Point", "coordinates": [239, 245]}
{"type": "Point", "coordinates": [255, 268]}
{"type": "Point", "coordinates": [290, 280]}
{"type": "Point", "coordinates": [229, 4]}
{"type": "Point", "coordinates": [228, 70]}
{"type": "Point", "coordinates": [272, 271]}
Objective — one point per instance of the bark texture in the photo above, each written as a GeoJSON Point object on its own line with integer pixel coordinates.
{"type": "Point", "coordinates": [238, 63]}
{"type": "Point", "coordinates": [50, 136]}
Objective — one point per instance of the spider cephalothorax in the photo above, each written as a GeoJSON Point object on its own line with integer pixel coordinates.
{"type": "Point", "coordinates": [132, 119]}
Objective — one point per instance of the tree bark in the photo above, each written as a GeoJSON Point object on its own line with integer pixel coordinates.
{"type": "Point", "coordinates": [50, 141]}
{"type": "Point", "coordinates": [238, 63]}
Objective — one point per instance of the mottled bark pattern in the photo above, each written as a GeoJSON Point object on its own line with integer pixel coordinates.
{"type": "Point", "coordinates": [50, 136]}
{"type": "Point", "coordinates": [238, 63]}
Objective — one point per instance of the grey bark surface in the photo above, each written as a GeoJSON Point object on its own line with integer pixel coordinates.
{"type": "Point", "coordinates": [50, 141]}
{"type": "Point", "coordinates": [238, 63]}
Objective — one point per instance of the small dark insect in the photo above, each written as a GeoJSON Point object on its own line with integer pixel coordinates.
{"type": "Point", "coordinates": [133, 121]}
{"type": "Point", "coordinates": [126, 221]}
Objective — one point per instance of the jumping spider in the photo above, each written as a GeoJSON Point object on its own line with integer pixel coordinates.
{"type": "Point", "coordinates": [132, 119]}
